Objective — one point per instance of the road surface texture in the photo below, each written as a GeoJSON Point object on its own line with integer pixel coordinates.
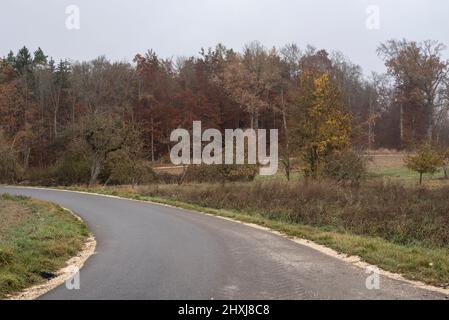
{"type": "Point", "coordinates": [148, 251]}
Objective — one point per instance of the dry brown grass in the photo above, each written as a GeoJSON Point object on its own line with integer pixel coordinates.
{"type": "Point", "coordinates": [11, 214]}
{"type": "Point", "coordinates": [385, 158]}
{"type": "Point", "coordinates": [169, 169]}
{"type": "Point", "coordinates": [403, 215]}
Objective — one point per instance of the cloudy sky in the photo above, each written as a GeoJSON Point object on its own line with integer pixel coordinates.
{"type": "Point", "coordinates": [120, 29]}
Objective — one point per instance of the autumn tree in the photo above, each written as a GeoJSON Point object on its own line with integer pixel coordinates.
{"type": "Point", "coordinates": [155, 110]}
{"type": "Point", "coordinates": [419, 71]}
{"type": "Point", "coordinates": [127, 164]}
{"type": "Point", "coordinates": [319, 120]}
{"type": "Point", "coordinates": [426, 160]}
{"type": "Point", "coordinates": [104, 134]}
{"type": "Point", "coordinates": [16, 103]}
{"type": "Point", "coordinates": [380, 96]}
{"type": "Point", "coordinates": [286, 84]}
{"type": "Point", "coordinates": [247, 78]}
{"type": "Point", "coordinates": [11, 100]}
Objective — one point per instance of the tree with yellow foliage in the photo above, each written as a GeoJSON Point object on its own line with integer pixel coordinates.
{"type": "Point", "coordinates": [320, 124]}
{"type": "Point", "coordinates": [426, 160]}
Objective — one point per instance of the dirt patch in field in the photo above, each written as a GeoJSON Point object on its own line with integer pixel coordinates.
{"type": "Point", "coordinates": [11, 214]}
{"type": "Point", "coordinates": [170, 169]}
{"type": "Point", "coordinates": [385, 159]}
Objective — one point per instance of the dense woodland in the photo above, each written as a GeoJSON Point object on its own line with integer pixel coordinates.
{"type": "Point", "coordinates": [76, 122]}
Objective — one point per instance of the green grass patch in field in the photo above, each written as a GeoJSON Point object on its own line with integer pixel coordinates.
{"type": "Point", "coordinates": [409, 177]}
{"type": "Point", "coordinates": [36, 241]}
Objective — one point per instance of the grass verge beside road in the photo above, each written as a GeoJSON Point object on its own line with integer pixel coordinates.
{"type": "Point", "coordinates": [36, 240]}
{"type": "Point", "coordinates": [399, 229]}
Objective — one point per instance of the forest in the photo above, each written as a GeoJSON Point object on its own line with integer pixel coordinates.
{"type": "Point", "coordinates": [101, 121]}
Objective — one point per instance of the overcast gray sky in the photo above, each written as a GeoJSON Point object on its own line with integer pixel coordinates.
{"type": "Point", "coordinates": [120, 29]}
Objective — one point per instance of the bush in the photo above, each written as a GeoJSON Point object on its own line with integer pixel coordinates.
{"type": "Point", "coordinates": [238, 172]}
{"type": "Point", "coordinates": [220, 173]}
{"type": "Point", "coordinates": [167, 178]}
{"type": "Point", "coordinates": [41, 176]}
{"type": "Point", "coordinates": [346, 167]}
{"type": "Point", "coordinates": [72, 169]}
{"type": "Point", "coordinates": [209, 174]}
{"type": "Point", "coordinates": [120, 168]}
{"type": "Point", "coordinates": [202, 173]}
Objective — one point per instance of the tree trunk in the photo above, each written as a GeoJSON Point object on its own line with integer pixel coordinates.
{"type": "Point", "coordinates": [256, 120]}
{"type": "Point", "coordinates": [106, 182]}
{"type": "Point", "coordinates": [26, 158]}
{"type": "Point", "coordinates": [287, 146]}
{"type": "Point", "coordinates": [401, 126]}
{"type": "Point", "coordinates": [420, 178]}
{"type": "Point", "coordinates": [55, 122]}
{"type": "Point", "coordinates": [73, 111]}
{"type": "Point", "coordinates": [95, 170]}
{"type": "Point", "coordinates": [152, 139]}
{"type": "Point", "coordinates": [370, 124]}
{"type": "Point", "coordinates": [251, 119]}
{"type": "Point", "coordinates": [183, 175]}
{"type": "Point", "coordinates": [430, 124]}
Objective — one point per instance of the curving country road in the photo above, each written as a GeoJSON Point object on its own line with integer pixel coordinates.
{"type": "Point", "coordinates": [148, 251]}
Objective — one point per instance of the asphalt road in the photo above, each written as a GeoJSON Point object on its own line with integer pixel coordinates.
{"type": "Point", "coordinates": [147, 251]}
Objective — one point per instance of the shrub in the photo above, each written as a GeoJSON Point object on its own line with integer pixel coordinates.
{"type": "Point", "coordinates": [41, 176]}
{"type": "Point", "coordinates": [166, 178]}
{"type": "Point", "coordinates": [202, 173]}
{"type": "Point", "coordinates": [120, 168]}
{"type": "Point", "coordinates": [220, 173]}
{"type": "Point", "coordinates": [72, 169]}
{"type": "Point", "coordinates": [238, 172]}
{"type": "Point", "coordinates": [346, 167]}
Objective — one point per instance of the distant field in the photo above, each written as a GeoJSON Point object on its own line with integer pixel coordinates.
{"type": "Point", "coordinates": [168, 168]}
{"type": "Point", "coordinates": [385, 163]}
{"type": "Point", "coordinates": [385, 159]}
{"type": "Point", "coordinates": [391, 165]}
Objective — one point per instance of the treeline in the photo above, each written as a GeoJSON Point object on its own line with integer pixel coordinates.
{"type": "Point", "coordinates": [74, 122]}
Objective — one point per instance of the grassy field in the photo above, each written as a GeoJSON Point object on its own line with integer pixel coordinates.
{"type": "Point", "coordinates": [36, 239]}
{"type": "Point", "coordinates": [408, 177]}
